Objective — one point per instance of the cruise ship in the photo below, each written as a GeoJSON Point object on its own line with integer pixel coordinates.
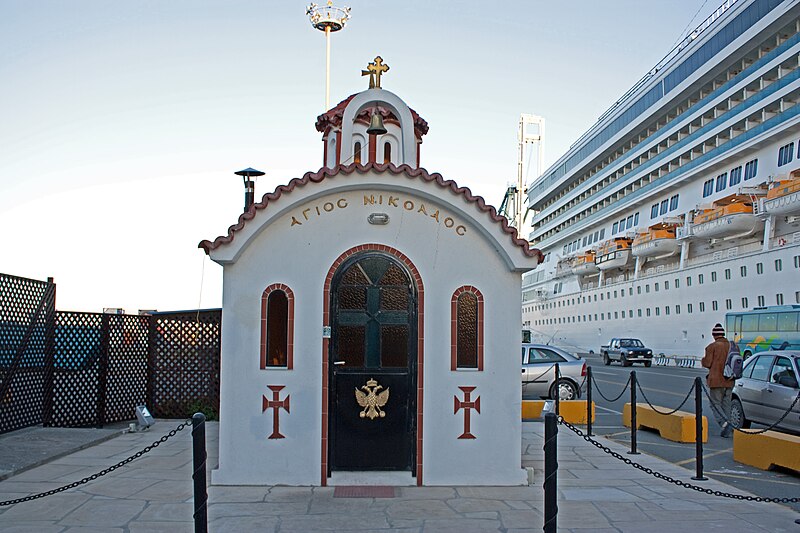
{"type": "Point", "coordinates": [682, 202]}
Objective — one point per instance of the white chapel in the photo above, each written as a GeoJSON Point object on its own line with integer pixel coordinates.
{"type": "Point", "coordinates": [371, 319]}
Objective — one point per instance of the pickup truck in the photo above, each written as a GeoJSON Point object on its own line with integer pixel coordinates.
{"type": "Point", "coordinates": [627, 352]}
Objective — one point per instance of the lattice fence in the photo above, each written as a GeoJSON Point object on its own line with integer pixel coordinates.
{"type": "Point", "coordinates": [26, 332]}
{"type": "Point", "coordinates": [184, 363]}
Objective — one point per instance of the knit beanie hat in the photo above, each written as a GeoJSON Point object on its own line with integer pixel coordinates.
{"type": "Point", "coordinates": [718, 331]}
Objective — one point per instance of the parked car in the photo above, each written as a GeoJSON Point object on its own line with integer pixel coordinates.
{"type": "Point", "coordinates": [627, 352]}
{"type": "Point", "coordinates": [539, 374]}
{"type": "Point", "coordinates": [767, 388]}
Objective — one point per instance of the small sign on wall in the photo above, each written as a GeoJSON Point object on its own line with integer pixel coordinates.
{"type": "Point", "coordinates": [326, 332]}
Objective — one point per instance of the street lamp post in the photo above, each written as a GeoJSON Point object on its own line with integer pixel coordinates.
{"type": "Point", "coordinates": [328, 18]}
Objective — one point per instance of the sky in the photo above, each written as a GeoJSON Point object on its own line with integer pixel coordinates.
{"type": "Point", "coordinates": [122, 123]}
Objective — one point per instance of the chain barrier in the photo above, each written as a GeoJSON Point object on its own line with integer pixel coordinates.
{"type": "Point", "coordinates": [669, 479]}
{"type": "Point", "coordinates": [749, 432]}
{"type": "Point", "coordinates": [604, 396]}
{"type": "Point", "coordinates": [654, 408]}
{"type": "Point", "coordinates": [108, 470]}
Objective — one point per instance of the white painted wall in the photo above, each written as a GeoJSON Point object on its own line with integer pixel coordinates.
{"type": "Point", "coordinates": [271, 249]}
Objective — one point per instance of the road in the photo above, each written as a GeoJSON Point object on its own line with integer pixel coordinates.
{"type": "Point", "coordinates": [667, 387]}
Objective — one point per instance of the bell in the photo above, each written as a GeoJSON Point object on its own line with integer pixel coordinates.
{"type": "Point", "coordinates": [376, 126]}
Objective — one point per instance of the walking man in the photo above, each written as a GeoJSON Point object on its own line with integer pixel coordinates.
{"type": "Point", "coordinates": [719, 386]}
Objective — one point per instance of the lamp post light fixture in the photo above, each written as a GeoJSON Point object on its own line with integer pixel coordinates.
{"type": "Point", "coordinates": [328, 18]}
{"type": "Point", "coordinates": [249, 185]}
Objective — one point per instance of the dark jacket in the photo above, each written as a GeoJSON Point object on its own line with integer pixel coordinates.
{"type": "Point", "coordinates": [714, 361]}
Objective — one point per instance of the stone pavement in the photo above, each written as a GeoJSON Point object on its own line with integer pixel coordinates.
{"type": "Point", "coordinates": [596, 492]}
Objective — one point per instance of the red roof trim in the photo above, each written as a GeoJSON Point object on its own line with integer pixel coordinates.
{"type": "Point", "coordinates": [328, 173]}
{"type": "Point", "coordinates": [333, 117]}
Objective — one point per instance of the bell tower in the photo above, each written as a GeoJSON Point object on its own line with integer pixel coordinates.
{"type": "Point", "coordinates": [373, 126]}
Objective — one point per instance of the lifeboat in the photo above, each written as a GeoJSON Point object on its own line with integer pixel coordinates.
{"type": "Point", "coordinates": [583, 264]}
{"type": "Point", "coordinates": [783, 196]}
{"type": "Point", "coordinates": [658, 241]}
{"type": "Point", "coordinates": [614, 253]}
{"type": "Point", "coordinates": [731, 216]}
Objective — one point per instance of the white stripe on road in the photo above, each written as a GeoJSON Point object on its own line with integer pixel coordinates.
{"type": "Point", "coordinates": [606, 409]}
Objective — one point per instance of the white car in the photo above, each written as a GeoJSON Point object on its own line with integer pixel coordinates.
{"type": "Point", "coordinates": [539, 374]}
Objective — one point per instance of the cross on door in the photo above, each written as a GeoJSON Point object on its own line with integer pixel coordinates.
{"type": "Point", "coordinates": [275, 404]}
{"type": "Point", "coordinates": [467, 405]}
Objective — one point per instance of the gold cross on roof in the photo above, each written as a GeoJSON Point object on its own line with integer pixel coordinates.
{"type": "Point", "coordinates": [374, 71]}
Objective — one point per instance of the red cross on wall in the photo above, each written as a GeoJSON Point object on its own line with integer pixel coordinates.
{"type": "Point", "coordinates": [467, 405]}
{"type": "Point", "coordinates": [275, 404]}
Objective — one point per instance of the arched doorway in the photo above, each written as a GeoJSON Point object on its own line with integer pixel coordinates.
{"type": "Point", "coordinates": [372, 365]}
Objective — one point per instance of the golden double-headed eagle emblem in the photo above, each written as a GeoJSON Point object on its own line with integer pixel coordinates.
{"type": "Point", "coordinates": [372, 400]}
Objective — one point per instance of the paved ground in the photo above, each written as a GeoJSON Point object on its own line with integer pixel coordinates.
{"type": "Point", "coordinates": [596, 492]}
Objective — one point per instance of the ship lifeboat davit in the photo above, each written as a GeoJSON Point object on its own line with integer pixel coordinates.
{"type": "Point", "coordinates": [583, 264]}
{"type": "Point", "coordinates": [563, 267]}
{"type": "Point", "coordinates": [658, 241]}
{"type": "Point", "coordinates": [614, 253]}
{"type": "Point", "coordinates": [783, 197]}
{"type": "Point", "coordinates": [731, 216]}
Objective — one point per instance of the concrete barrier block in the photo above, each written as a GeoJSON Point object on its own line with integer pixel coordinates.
{"type": "Point", "coordinates": [573, 411]}
{"type": "Point", "coordinates": [677, 427]}
{"type": "Point", "coordinates": [764, 450]}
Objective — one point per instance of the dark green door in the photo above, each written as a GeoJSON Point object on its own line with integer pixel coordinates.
{"type": "Point", "coordinates": [372, 366]}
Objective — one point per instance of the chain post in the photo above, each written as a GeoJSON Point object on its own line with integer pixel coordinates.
{"type": "Point", "coordinates": [558, 390]}
{"type": "Point", "coordinates": [589, 401]}
{"type": "Point", "coordinates": [633, 414]}
{"type": "Point", "coordinates": [698, 429]}
{"type": "Point", "coordinates": [550, 473]}
{"type": "Point", "coordinates": [199, 474]}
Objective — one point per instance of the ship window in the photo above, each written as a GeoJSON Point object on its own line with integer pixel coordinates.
{"type": "Point", "coordinates": [614, 229]}
{"type": "Point", "coordinates": [647, 311]}
{"type": "Point", "coordinates": [655, 286]}
{"type": "Point", "coordinates": [736, 175]}
{"type": "Point", "coordinates": [727, 273]}
{"type": "Point", "coordinates": [744, 303]}
{"type": "Point", "coordinates": [779, 299]}
{"type": "Point", "coordinates": [602, 233]}
{"type": "Point", "coordinates": [714, 276]}
{"type": "Point", "coordinates": [688, 308]}
{"type": "Point", "coordinates": [666, 310]}
{"type": "Point", "coordinates": [664, 206]}
{"type": "Point", "coordinates": [708, 188]}
{"type": "Point", "coordinates": [677, 309]}
{"type": "Point", "coordinates": [595, 297]}
{"type": "Point", "coordinates": [750, 169]}
{"type": "Point", "coordinates": [688, 281]}
{"type": "Point", "coordinates": [759, 268]}
{"type": "Point", "coordinates": [743, 271]}
{"type": "Point", "coordinates": [583, 242]}
{"type": "Point", "coordinates": [630, 313]}
{"type": "Point", "coordinates": [615, 294]}
{"type": "Point", "coordinates": [702, 307]}
{"type": "Point", "coordinates": [630, 291]}
{"type": "Point", "coordinates": [673, 203]}
{"type": "Point", "coordinates": [622, 225]}
{"type": "Point", "coordinates": [639, 312]}
{"type": "Point", "coordinates": [785, 154]}
{"type": "Point", "coordinates": [714, 305]}
{"type": "Point", "coordinates": [728, 304]}
{"type": "Point", "coordinates": [778, 265]}
{"type": "Point", "coordinates": [722, 181]}
{"type": "Point", "coordinates": [700, 279]}
{"type": "Point", "coordinates": [601, 296]}
{"type": "Point", "coordinates": [654, 211]}
{"type": "Point", "coordinates": [677, 283]}
{"type": "Point", "coordinates": [761, 301]}
{"type": "Point", "coordinates": [666, 285]}
{"type": "Point", "coordinates": [595, 317]}
{"type": "Point", "coordinates": [658, 311]}
{"type": "Point", "coordinates": [639, 289]}
{"type": "Point", "coordinates": [608, 295]}
{"type": "Point", "coordinates": [629, 224]}
{"type": "Point", "coordinates": [647, 288]}
{"type": "Point", "coordinates": [636, 219]}
{"type": "Point", "coordinates": [357, 153]}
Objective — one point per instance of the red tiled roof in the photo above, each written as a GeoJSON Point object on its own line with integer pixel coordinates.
{"type": "Point", "coordinates": [333, 117]}
{"type": "Point", "coordinates": [330, 173]}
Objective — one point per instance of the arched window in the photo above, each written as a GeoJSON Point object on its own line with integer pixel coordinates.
{"type": "Point", "coordinates": [466, 329]}
{"type": "Point", "coordinates": [277, 327]}
{"type": "Point", "coordinates": [387, 153]}
{"type": "Point", "coordinates": [357, 153]}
